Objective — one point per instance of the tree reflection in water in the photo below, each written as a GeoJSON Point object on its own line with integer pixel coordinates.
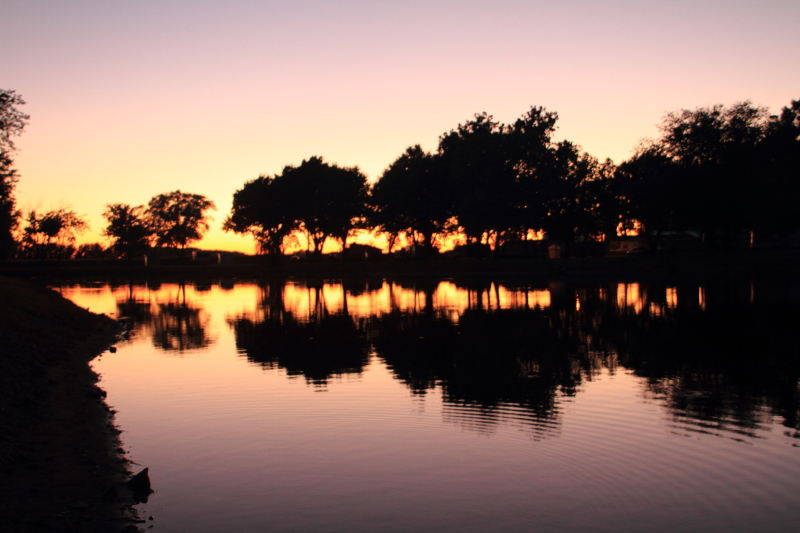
{"type": "Point", "coordinates": [722, 358]}
{"type": "Point", "coordinates": [322, 346]}
{"type": "Point", "coordinates": [728, 369]}
{"type": "Point", "coordinates": [175, 325]}
{"type": "Point", "coordinates": [133, 310]}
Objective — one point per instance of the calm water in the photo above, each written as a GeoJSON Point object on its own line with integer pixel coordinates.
{"type": "Point", "coordinates": [444, 407]}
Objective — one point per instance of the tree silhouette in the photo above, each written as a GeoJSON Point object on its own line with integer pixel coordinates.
{"type": "Point", "coordinates": [329, 199]}
{"type": "Point", "coordinates": [266, 209]}
{"type": "Point", "coordinates": [650, 188]}
{"type": "Point", "coordinates": [412, 197]}
{"type": "Point", "coordinates": [12, 120]}
{"type": "Point", "coordinates": [179, 218]}
{"type": "Point", "coordinates": [717, 150]}
{"type": "Point", "coordinates": [51, 234]}
{"type": "Point", "coordinates": [532, 150]}
{"type": "Point", "coordinates": [776, 209]}
{"type": "Point", "coordinates": [597, 200]}
{"type": "Point", "coordinates": [9, 215]}
{"type": "Point", "coordinates": [510, 179]}
{"type": "Point", "coordinates": [129, 228]}
{"type": "Point", "coordinates": [483, 176]}
{"type": "Point", "coordinates": [558, 187]}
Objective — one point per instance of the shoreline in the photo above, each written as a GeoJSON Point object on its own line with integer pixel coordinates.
{"type": "Point", "coordinates": [679, 265]}
{"type": "Point", "coordinates": [61, 461]}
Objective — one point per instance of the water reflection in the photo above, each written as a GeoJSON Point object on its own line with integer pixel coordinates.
{"type": "Point", "coordinates": [722, 358]}
{"type": "Point", "coordinates": [166, 316]}
{"type": "Point", "coordinates": [179, 327]}
{"type": "Point", "coordinates": [718, 371]}
{"type": "Point", "coordinates": [461, 405]}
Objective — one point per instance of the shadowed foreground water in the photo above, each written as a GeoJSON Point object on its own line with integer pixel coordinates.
{"type": "Point", "coordinates": [443, 407]}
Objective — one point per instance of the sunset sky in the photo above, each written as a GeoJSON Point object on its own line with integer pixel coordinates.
{"type": "Point", "coordinates": [132, 99]}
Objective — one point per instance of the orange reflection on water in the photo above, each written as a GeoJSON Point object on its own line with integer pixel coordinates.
{"type": "Point", "coordinates": [404, 299]}
{"type": "Point", "coordinates": [629, 295]}
{"type": "Point", "coordinates": [97, 299]}
{"type": "Point", "coordinates": [672, 297]}
{"type": "Point", "coordinates": [450, 297]}
{"type": "Point", "coordinates": [540, 298]}
{"type": "Point", "coordinates": [306, 302]}
{"type": "Point", "coordinates": [370, 303]}
{"type": "Point", "coordinates": [656, 309]}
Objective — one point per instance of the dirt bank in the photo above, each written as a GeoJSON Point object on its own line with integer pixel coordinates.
{"type": "Point", "coordinates": [61, 465]}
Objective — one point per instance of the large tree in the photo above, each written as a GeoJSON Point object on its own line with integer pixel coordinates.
{"type": "Point", "coordinates": [569, 195]}
{"type": "Point", "coordinates": [330, 199]}
{"type": "Point", "coordinates": [717, 150]}
{"type": "Point", "coordinates": [179, 218]}
{"type": "Point", "coordinates": [502, 175]}
{"type": "Point", "coordinates": [129, 228]}
{"type": "Point", "coordinates": [600, 213]}
{"type": "Point", "coordinates": [268, 209]}
{"type": "Point", "coordinates": [775, 208]}
{"type": "Point", "coordinates": [412, 197]}
{"type": "Point", "coordinates": [650, 188]}
{"type": "Point", "coordinates": [532, 149]}
{"type": "Point", "coordinates": [483, 177]}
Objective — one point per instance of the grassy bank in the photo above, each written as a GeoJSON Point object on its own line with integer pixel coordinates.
{"type": "Point", "coordinates": [61, 468]}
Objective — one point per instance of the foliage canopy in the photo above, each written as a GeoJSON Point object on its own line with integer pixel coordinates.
{"type": "Point", "coordinates": [178, 218]}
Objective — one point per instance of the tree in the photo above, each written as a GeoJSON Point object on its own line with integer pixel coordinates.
{"type": "Point", "coordinates": [53, 233]}
{"type": "Point", "coordinates": [178, 218]}
{"type": "Point", "coordinates": [412, 196]}
{"type": "Point", "coordinates": [600, 213]}
{"type": "Point", "coordinates": [9, 215]}
{"type": "Point", "coordinates": [482, 176]}
{"type": "Point", "coordinates": [12, 120]}
{"type": "Point", "coordinates": [12, 123]}
{"type": "Point", "coordinates": [649, 187]}
{"type": "Point", "coordinates": [558, 183]}
{"type": "Point", "coordinates": [129, 228]}
{"type": "Point", "coordinates": [717, 150]}
{"type": "Point", "coordinates": [501, 175]}
{"type": "Point", "coordinates": [329, 199]}
{"type": "Point", "coordinates": [533, 150]}
{"type": "Point", "coordinates": [779, 157]}
{"type": "Point", "coordinates": [267, 209]}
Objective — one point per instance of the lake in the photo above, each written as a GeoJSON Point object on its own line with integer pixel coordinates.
{"type": "Point", "coordinates": [432, 405]}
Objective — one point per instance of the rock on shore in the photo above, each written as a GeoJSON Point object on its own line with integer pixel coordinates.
{"type": "Point", "coordinates": [61, 464]}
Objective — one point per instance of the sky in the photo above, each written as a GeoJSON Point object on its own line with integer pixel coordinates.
{"type": "Point", "coordinates": [130, 99]}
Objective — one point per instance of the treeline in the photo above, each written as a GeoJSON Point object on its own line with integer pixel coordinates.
{"type": "Point", "coordinates": [172, 219]}
{"type": "Point", "coordinates": [716, 172]}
